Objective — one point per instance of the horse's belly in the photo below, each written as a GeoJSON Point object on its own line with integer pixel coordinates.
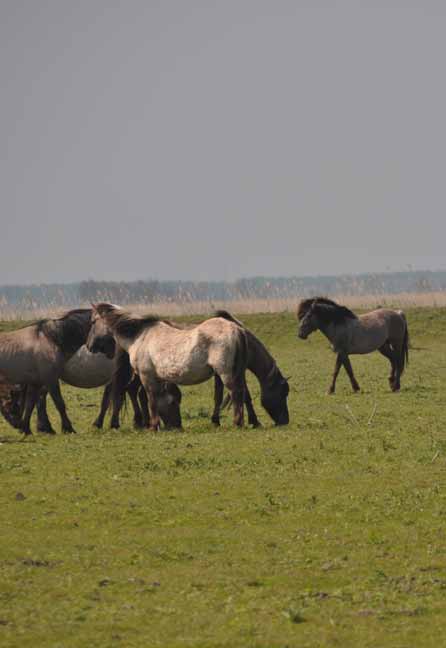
{"type": "Point", "coordinates": [88, 370]}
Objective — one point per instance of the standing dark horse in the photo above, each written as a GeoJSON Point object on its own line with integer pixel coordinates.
{"type": "Point", "coordinates": [274, 387]}
{"type": "Point", "coordinates": [160, 351]}
{"type": "Point", "coordinates": [382, 330]}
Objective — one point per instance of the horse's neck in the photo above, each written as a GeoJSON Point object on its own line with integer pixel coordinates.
{"type": "Point", "coordinates": [330, 331]}
{"type": "Point", "coordinates": [260, 362]}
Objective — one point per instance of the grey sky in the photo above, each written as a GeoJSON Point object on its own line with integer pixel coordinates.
{"type": "Point", "coordinates": [219, 139]}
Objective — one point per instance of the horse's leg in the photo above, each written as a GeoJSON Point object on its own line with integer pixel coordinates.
{"type": "Point", "coordinates": [151, 391]}
{"type": "Point", "coordinates": [388, 353]}
{"type": "Point", "coordinates": [397, 352]}
{"type": "Point", "coordinates": [59, 402]}
{"type": "Point", "coordinates": [218, 399]}
{"type": "Point", "coordinates": [43, 422]}
{"type": "Point", "coordinates": [132, 391]}
{"type": "Point", "coordinates": [144, 405]}
{"type": "Point", "coordinates": [252, 416]}
{"type": "Point", "coordinates": [338, 364]}
{"type": "Point", "coordinates": [236, 386]}
{"type": "Point", "coordinates": [105, 402]}
{"type": "Point", "coordinates": [349, 369]}
{"type": "Point", "coordinates": [32, 394]}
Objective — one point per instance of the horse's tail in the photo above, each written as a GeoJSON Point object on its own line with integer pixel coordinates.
{"type": "Point", "coordinates": [404, 355]}
{"type": "Point", "coordinates": [241, 354]}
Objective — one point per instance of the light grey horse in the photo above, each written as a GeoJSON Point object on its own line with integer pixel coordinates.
{"type": "Point", "coordinates": [160, 351]}
{"type": "Point", "coordinates": [382, 330]}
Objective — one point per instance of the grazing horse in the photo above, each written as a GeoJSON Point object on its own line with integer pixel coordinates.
{"type": "Point", "coordinates": [160, 351]}
{"type": "Point", "coordinates": [382, 330]}
{"type": "Point", "coordinates": [274, 387]}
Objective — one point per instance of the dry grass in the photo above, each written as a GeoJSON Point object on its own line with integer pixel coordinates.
{"type": "Point", "coordinates": [251, 305]}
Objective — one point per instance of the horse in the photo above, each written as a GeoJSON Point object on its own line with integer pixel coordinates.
{"type": "Point", "coordinates": [161, 351]}
{"type": "Point", "coordinates": [382, 330]}
{"type": "Point", "coordinates": [53, 349]}
{"type": "Point", "coordinates": [274, 388]}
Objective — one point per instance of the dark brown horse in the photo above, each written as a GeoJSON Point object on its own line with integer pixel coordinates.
{"type": "Point", "coordinates": [382, 330]}
{"type": "Point", "coordinates": [274, 388]}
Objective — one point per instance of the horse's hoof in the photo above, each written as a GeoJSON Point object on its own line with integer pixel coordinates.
{"type": "Point", "coordinates": [69, 431]}
{"type": "Point", "coordinates": [215, 422]}
{"type": "Point", "coordinates": [330, 392]}
{"type": "Point", "coordinates": [256, 424]}
{"type": "Point", "coordinates": [98, 424]}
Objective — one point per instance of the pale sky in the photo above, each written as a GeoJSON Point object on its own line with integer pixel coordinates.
{"type": "Point", "coordinates": [179, 139]}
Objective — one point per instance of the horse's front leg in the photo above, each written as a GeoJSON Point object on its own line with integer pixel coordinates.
{"type": "Point", "coordinates": [252, 416]}
{"type": "Point", "coordinates": [105, 402]}
{"type": "Point", "coordinates": [152, 390]}
{"type": "Point", "coordinates": [59, 402]}
{"type": "Point", "coordinates": [32, 394]}
{"type": "Point", "coordinates": [132, 391]}
{"type": "Point", "coordinates": [338, 365]}
{"type": "Point", "coordinates": [43, 422]}
{"type": "Point", "coordinates": [349, 370]}
{"type": "Point", "coordinates": [218, 399]}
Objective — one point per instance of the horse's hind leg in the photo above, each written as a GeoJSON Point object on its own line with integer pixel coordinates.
{"type": "Point", "coordinates": [43, 422]}
{"type": "Point", "coordinates": [349, 369]}
{"type": "Point", "coordinates": [144, 405]}
{"type": "Point", "coordinates": [59, 402]}
{"type": "Point", "coordinates": [218, 399]}
{"type": "Point", "coordinates": [388, 353]}
{"type": "Point", "coordinates": [338, 365]}
{"type": "Point", "coordinates": [32, 394]}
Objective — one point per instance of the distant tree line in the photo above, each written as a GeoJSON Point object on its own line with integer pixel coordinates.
{"type": "Point", "coordinates": [153, 291]}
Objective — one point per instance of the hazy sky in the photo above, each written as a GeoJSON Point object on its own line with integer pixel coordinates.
{"type": "Point", "coordinates": [220, 139]}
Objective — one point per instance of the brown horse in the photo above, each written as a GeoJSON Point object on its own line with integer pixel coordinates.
{"type": "Point", "coordinates": [274, 388]}
{"type": "Point", "coordinates": [382, 330]}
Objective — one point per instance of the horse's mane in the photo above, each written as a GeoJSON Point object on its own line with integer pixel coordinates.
{"type": "Point", "coordinates": [327, 309]}
{"type": "Point", "coordinates": [256, 350]}
{"type": "Point", "coordinates": [124, 323]}
{"type": "Point", "coordinates": [68, 331]}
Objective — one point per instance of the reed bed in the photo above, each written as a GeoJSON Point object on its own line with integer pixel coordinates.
{"type": "Point", "coordinates": [244, 306]}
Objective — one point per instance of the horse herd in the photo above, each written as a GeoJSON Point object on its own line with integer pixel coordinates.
{"type": "Point", "coordinates": [148, 357]}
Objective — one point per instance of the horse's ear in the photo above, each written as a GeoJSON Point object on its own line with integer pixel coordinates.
{"type": "Point", "coordinates": [94, 307]}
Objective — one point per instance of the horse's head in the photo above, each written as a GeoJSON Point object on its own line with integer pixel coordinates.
{"type": "Point", "coordinates": [100, 338]}
{"type": "Point", "coordinates": [12, 398]}
{"type": "Point", "coordinates": [308, 321]}
{"type": "Point", "coordinates": [168, 402]}
{"type": "Point", "coordinates": [274, 394]}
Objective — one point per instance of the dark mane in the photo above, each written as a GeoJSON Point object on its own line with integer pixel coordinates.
{"type": "Point", "coordinates": [327, 310]}
{"type": "Point", "coordinates": [258, 354]}
{"type": "Point", "coordinates": [124, 323]}
{"type": "Point", "coordinates": [69, 331]}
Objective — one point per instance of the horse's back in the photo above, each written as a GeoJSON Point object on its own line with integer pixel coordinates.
{"type": "Point", "coordinates": [186, 356]}
{"type": "Point", "coordinates": [27, 356]}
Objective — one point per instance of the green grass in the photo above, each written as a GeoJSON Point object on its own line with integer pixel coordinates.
{"type": "Point", "coordinates": [329, 532]}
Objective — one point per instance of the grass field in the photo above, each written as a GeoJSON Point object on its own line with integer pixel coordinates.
{"type": "Point", "coordinates": [328, 532]}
